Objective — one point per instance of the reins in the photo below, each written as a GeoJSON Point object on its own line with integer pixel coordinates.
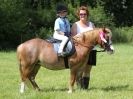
{"type": "Point", "coordinates": [101, 50]}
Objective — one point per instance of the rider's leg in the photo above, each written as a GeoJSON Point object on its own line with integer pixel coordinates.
{"type": "Point", "coordinates": [63, 43]}
{"type": "Point", "coordinates": [64, 40]}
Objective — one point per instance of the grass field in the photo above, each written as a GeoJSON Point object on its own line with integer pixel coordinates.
{"type": "Point", "coordinates": [112, 78]}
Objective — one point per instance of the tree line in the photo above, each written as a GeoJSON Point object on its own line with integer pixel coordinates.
{"type": "Point", "coordinates": [21, 20]}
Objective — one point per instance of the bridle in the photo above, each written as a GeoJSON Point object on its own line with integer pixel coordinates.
{"type": "Point", "coordinates": [106, 43]}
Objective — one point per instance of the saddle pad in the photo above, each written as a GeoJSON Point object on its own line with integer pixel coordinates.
{"type": "Point", "coordinates": [69, 48]}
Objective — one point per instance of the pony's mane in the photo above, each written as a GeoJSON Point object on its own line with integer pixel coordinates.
{"type": "Point", "coordinates": [90, 31]}
{"type": "Point", "coordinates": [88, 34]}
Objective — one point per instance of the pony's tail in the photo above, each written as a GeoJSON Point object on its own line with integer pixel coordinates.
{"type": "Point", "coordinates": [19, 59]}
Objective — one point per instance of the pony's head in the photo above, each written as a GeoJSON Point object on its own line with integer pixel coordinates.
{"type": "Point", "coordinates": [105, 41]}
{"type": "Point", "coordinates": [100, 36]}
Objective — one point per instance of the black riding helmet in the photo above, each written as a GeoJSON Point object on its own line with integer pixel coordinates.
{"type": "Point", "coordinates": [61, 7]}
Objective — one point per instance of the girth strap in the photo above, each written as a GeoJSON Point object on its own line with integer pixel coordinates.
{"type": "Point", "coordinates": [66, 62]}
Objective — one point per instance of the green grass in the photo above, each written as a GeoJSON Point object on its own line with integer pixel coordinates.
{"type": "Point", "coordinates": [112, 78]}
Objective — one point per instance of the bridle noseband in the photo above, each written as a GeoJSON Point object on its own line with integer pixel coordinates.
{"type": "Point", "coordinates": [105, 42]}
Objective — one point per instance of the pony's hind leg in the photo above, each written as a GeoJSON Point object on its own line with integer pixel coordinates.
{"type": "Point", "coordinates": [24, 72]}
{"type": "Point", "coordinates": [22, 87]}
{"type": "Point", "coordinates": [33, 75]}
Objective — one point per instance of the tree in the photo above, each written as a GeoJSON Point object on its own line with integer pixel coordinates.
{"type": "Point", "coordinates": [121, 10]}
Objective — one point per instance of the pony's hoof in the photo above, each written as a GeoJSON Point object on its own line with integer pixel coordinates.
{"type": "Point", "coordinates": [21, 91]}
{"type": "Point", "coordinates": [70, 91]}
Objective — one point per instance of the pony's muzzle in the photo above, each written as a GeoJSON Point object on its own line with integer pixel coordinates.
{"type": "Point", "coordinates": [111, 51]}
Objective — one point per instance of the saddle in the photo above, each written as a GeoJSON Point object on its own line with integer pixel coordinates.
{"type": "Point", "coordinates": [69, 49]}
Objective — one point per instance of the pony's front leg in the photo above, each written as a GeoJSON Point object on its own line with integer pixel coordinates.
{"type": "Point", "coordinates": [72, 81]}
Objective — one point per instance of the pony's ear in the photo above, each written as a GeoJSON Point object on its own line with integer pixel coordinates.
{"type": "Point", "coordinates": [107, 31]}
{"type": "Point", "coordinates": [104, 29]}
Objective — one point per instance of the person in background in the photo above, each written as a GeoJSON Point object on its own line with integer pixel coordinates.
{"type": "Point", "coordinates": [61, 27]}
{"type": "Point", "coordinates": [83, 25]}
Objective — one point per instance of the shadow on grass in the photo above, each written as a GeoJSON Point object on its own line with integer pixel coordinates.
{"type": "Point", "coordinates": [108, 88]}
{"type": "Point", "coordinates": [54, 89]}
{"type": "Point", "coordinates": [113, 88]}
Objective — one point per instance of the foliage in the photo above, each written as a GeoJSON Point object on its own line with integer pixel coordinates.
{"type": "Point", "coordinates": [21, 20]}
{"type": "Point", "coordinates": [121, 10]}
{"type": "Point", "coordinates": [45, 33]}
{"type": "Point", "coordinates": [98, 16]}
{"type": "Point", "coordinates": [12, 20]}
{"type": "Point", "coordinates": [123, 34]}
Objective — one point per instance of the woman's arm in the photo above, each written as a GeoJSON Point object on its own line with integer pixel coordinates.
{"type": "Point", "coordinates": [74, 29]}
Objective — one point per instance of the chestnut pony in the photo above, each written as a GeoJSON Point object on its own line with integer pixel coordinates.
{"type": "Point", "coordinates": [38, 52]}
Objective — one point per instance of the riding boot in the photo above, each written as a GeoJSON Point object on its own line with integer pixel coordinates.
{"type": "Point", "coordinates": [85, 82]}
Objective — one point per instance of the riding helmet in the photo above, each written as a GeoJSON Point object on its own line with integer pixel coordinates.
{"type": "Point", "coordinates": [61, 7]}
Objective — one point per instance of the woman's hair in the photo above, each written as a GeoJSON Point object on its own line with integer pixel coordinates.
{"type": "Point", "coordinates": [82, 8]}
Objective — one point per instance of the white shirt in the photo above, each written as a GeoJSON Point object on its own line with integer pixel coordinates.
{"type": "Point", "coordinates": [81, 29]}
